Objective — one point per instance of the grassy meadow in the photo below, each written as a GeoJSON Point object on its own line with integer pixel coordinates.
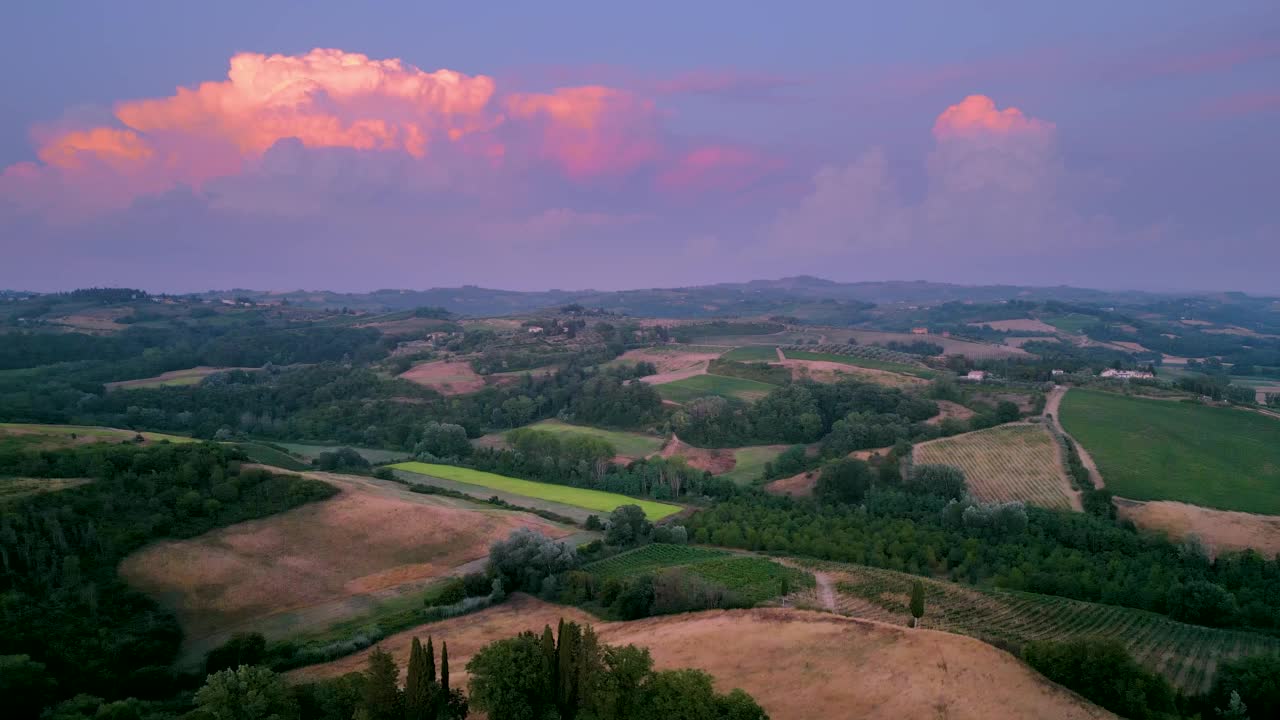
{"type": "Point", "coordinates": [752, 353]}
{"type": "Point", "coordinates": [1216, 457]}
{"type": "Point", "coordinates": [629, 444]}
{"type": "Point", "coordinates": [578, 497]}
{"type": "Point", "coordinates": [692, 388]}
{"type": "Point", "coordinates": [748, 462]}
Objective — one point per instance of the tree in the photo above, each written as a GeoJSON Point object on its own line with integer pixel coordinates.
{"type": "Point", "coordinates": [1102, 671]}
{"type": "Point", "coordinates": [381, 699]}
{"type": "Point", "coordinates": [1235, 710]}
{"type": "Point", "coordinates": [246, 693]}
{"type": "Point", "coordinates": [844, 481]}
{"type": "Point", "coordinates": [1256, 680]}
{"type": "Point", "coordinates": [917, 603]}
{"type": "Point", "coordinates": [418, 690]}
{"type": "Point", "coordinates": [526, 557]}
{"type": "Point", "coordinates": [628, 526]}
{"type": "Point", "coordinates": [947, 481]}
{"type": "Point", "coordinates": [509, 680]}
{"type": "Point", "coordinates": [241, 649]}
{"type": "Point", "coordinates": [25, 685]}
{"type": "Point", "coordinates": [1007, 411]}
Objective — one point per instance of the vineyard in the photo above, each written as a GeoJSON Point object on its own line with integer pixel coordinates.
{"type": "Point", "coordinates": [868, 356]}
{"type": "Point", "coordinates": [754, 579]}
{"type": "Point", "coordinates": [1009, 462]}
{"type": "Point", "coordinates": [1188, 655]}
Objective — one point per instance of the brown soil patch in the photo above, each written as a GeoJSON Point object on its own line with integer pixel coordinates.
{"type": "Point", "coordinates": [1020, 325]}
{"type": "Point", "coordinates": [796, 486]}
{"type": "Point", "coordinates": [1130, 346]}
{"type": "Point", "coordinates": [1220, 530]}
{"type": "Point", "coordinates": [948, 409]}
{"type": "Point", "coordinates": [407, 326]}
{"type": "Point", "coordinates": [717, 462]}
{"type": "Point", "coordinates": [446, 377]}
{"type": "Point", "coordinates": [1196, 322]}
{"type": "Point", "coordinates": [795, 663]}
{"type": "Point", "coordinates": [95, 322]}
{"type": "Point", "coordinates": [372, 536]}
{"type": "Point", "coordinates": [672, 363]}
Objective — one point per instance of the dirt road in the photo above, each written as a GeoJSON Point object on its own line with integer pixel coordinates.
{"type": "Point", "coordinates": [1052, 403]}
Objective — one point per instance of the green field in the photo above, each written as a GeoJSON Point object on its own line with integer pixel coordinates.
{"type": "Point", "coordinates": [267, 455]}
{"type": "Point", "coordinates": [752, 353]}
{"type": "Point", "coordinates": [1188, 655]}
{"type": "Point", "coordinates": [692, 388]}
{"type": "Point", "coordinates": [748, 462]}
{"type": "Point", "coordinates": [578, 497]}
{"type": "Point", "coordinates": [630, 444]}
{"type": "Point", "coordinates": [373, 455]}
{"type": "Point", "coordinates": [1216, 457]}
{"type": "Point", "coordinates": [754, 579]}
{"type": "Point", "coordinates": [901, 368]}
{"type": "Point", "coordinates": [1072, 323]}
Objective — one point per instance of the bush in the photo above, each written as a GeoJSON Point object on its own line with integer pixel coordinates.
{"type": "Point", "coordinates": [241, 649]}
{"type": "Point", "coordinates": [946, 481]}
{"type": "Point", "coordinates": [1256, 679]}
{"type": "Point", "coordinates": [844, 481]}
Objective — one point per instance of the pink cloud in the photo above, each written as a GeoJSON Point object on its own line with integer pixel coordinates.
{"type": "Point", "coordinates": [977, 115]}
{"type": "Point", "coordinates": [328, 99]}
{"type": "Point", "coordinates": [1250, 103]}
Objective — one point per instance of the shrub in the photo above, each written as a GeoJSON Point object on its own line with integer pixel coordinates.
{"type": "Point", "coordinates": [1102, 671]}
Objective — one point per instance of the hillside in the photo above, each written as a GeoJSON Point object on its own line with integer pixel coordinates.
{"type": "Point", "coordinates": [797, 664]}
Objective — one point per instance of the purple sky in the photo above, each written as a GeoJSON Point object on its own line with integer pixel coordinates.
{"type": "Point", "coordinates": [180, 146]}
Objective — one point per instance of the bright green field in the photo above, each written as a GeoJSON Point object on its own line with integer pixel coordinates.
{"type": "Point", "coordinates": [630, 444]}
{"type": "Point", "coordinates": [692, 388]}
{"type": "Point", "coordinates": [578, 497]}
{"type": "Point", "coordinates": [748, 462]}
{"type": "Point", "coordinates": [887, 365]}
{"type": "Point", "coordinates": [752, 353]}
{"type": "Point", "coordinates": [268, 455]}
{"type": "Point", "coordinates": [1166, 450]}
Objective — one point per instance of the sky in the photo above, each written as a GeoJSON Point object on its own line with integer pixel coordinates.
{"type": "Point", "coordinates": [354, 146]}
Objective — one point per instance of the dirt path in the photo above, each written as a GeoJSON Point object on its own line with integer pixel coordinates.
{"type": "Point", "coordinates": [781, 357]}
{"type": "Point", "coordinates": [826, 593]}
{"type": "Point", "coordinates": [1052, 404]}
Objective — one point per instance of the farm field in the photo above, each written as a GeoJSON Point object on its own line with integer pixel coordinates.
{"type": "Point", "coordinates": [752, 353]}
{"type": "Point", "coordinates": [748, 462]}
{"type": "Point", "coordinates": [579, 497]}
{"type": "Point", "coordinates": [1019, 325]}
{"type": "Point", "coordinates": [1218, 530]}
{"type": "Point", "coordinates": [696, 386]}
{"type": "Point", "coordinates": [788, 660]}
{"type": "Point", "coordinates": [1019, 461]}
{"type": "Point", "coordinates": [870, 363]}
{"type": "Point", "coordinates": [1187, 655]}
{"type": "Point", "coordinates": [267, 455]}
{"type": "Point", "coordinates": [296, 571]}
{"type": "Point", "coordinates": [1216, 457]}
{"type": "Point", "coordinates": [190, 376]}
{"type": "Point", "coordinates": [374, 455]}
{"type": "Point", "coordinates": [446, 377]}
{"type": "Point", "coordinates": [1073, 323]}
{"type": "Point", "coordinates": [36, 436]}
{"type": "Point", "coordinates": [754, 579]}
{"type": "Point", "coordinates": [950, 346]}
{"type": "Point", "coordinates": [673, 362]}
{"type": "Point", "coordinates": [628, 444]}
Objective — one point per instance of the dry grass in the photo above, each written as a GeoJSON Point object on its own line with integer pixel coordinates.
{"type": "Point", "coordinates": [1019, 461]}
{"type": "Point", "coordinates": [190, 376]}
{"type": "Point", "coordinates": [12, 488]}
{"type": "Point", "coordinates": [446, 377]}
{"type": "Point", "coordinates": [797, 664]}
{"type": "Point", "coordinates": [948, 409]}
{"type": "Point", "coordinates": [1219, 530]}
{"type": "Point", "coordinates": [800, 485]}
{"type": "Point", "coordinates": [371, 537]}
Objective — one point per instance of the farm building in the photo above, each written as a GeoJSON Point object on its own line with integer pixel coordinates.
{"type": "Point", "coordinates": [976, 375]}
{"type": "Point", "coordinates": [535, 330]}
{"type": "Point", "coordinates": [919, 331]}
{"type": "Point", "coordinates": [1127, 374]}
{"type": "Point", "coordinates": [1056, 373]}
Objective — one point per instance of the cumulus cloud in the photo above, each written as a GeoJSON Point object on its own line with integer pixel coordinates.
{"type": "Point", "coordinates": [994, 187]}
{"type": "Point", "coordinates": [435, 126]}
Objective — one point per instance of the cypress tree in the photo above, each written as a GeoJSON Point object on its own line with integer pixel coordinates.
{"type": "Point", "coordinates": [381, 699]}
{"type": "Point", "coordinates": [432, 704]}
{"type": "Point", "coordinates": [567, 652]}
{"type": "Point", "coordinates": [413, 688]}
{"type": "Point", "coordinates": [549, 661]}
{"type": "Point", "coordinates": [444, 668]}
{"type": "Point", "coordinates": [917, 603]}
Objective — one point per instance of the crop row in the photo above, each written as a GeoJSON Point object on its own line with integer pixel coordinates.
{"type": "Point", "coordinates": [874, 352]}
{"type": "Point", "coordinates": [1188, 655]}
{"type": "Point", "coordinates": [1012, 462]}
{"type": "Point", "coordinates": [649, 558]}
